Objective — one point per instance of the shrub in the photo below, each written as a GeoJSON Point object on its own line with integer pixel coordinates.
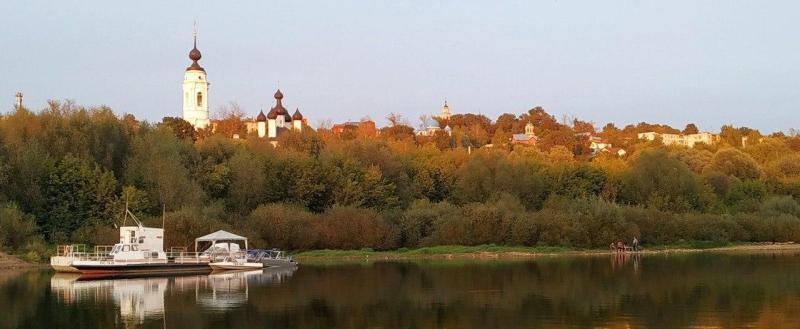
{"type": "Point", "coordinates": [417, 222]}
{"type": "Point", "coordinates": [354, 228]}
{"type": "Point", "coordinates": [16, 227]}
{"type": "Point", "coordinates": [282, 226]}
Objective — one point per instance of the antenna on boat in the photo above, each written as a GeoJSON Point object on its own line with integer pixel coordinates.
{"type": "Point", "coordinates": [125, 215]}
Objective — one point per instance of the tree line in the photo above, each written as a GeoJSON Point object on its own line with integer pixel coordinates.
{"type": "Point", "coordinates": [67, 172]}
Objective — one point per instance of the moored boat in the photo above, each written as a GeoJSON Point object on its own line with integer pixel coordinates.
{"type": "Point", "coordinates": [140, 251]}
{"type": "Point", "coordinates": [228, 256]}
{"type": "Point", "coordinates": [270, 258]}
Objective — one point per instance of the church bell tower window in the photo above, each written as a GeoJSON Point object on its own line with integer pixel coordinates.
{"type": "Point", "coordinates": [199, 99]}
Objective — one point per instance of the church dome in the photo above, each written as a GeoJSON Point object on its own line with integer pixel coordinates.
{"type": "Point", "coordinates": [195, 54]}
{"type": "Point", "coordinates": [278, 94]}
{"type": "Point", "coordinates": [261, 117]}
{"type": "Point", "coordinates": [297, 115]}
{"type": "Point", "coordinates": [272, 115]}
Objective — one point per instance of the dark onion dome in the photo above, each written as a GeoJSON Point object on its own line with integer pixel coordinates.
{"type": "Point", "coordinates": [297, 115]}
{"type": "Point", "coordinates": [278, 108]}
{"type": "Point", "coordinates": [272, 115]}
{"type": "Point", "coordinates": [261, 117]}
{"type": "Point", "coordinates": [287, 118]}
{"type": "Point", "coordinates": [195, 56]}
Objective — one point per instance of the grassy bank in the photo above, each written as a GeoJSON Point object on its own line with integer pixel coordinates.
{"type": "Point", "coordinates": [494, 251]}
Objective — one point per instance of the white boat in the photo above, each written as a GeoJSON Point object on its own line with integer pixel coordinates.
{"type": "Point", "coordinates": [140, 251]}
{"type": "Point", "coordinates": [235, 265]}
{"type": "Point", "coordinates": [227, 255]}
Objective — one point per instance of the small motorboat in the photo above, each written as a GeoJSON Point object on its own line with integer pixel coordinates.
{"type": "Point", "coordinates": [226, 255]}
{"type": "Point", "coordinates": [270, 258]}
{"type": "Point", "coordinates": [234, 265]}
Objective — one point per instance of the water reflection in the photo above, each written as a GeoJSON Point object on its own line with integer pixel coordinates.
{"type": "Point", "coordinates": [137, 299]}
{"type": "Point", "coordinates": [140, 299]}
{"type": "Point", "coordinates": [618, 291]}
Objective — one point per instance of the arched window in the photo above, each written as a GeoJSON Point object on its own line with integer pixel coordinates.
{"type": "Point", "coordinates": [199, 99]}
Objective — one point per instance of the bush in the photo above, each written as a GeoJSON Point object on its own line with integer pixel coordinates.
{"type": "Point", "coordinates": [280, 225]}
{"type": "Point", "coordinates": [417, 222]}
{"type": "Point", "coordinates": [16, 228]}
{"type": "Point", "coordinates": [778, 205]}
{"type": "Point", "coordinates": [354, 228]}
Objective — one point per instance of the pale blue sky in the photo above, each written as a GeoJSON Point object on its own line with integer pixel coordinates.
{"type": "Point", "coordinates": [708, 62]}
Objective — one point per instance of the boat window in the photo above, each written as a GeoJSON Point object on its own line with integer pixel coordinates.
{"type": "Point", "coordinates": [126, 248]}
{"type": "Point", "coordinates": [141, 239]}
{"type": "Point", "coordinates": [134, 247]}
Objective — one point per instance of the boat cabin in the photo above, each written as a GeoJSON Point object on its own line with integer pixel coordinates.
{"type": "Point", "coordinates": [139, 238]}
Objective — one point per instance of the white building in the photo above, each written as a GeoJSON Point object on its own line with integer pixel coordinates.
{"type": "Point", "coordinates": [683, 140]}
{"type": "Point", "coordinates": [445, 112]}
{"type": "Point", "coordinates": [195, 91]}
{"type": "Point", "coordinates": [278, 119]}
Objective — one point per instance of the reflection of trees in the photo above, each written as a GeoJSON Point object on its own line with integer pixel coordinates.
{"type": "Point", "coordinates": [665, 291]}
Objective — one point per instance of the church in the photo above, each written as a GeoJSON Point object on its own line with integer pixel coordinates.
{"type": "Point", "coordinates": [195, 105]}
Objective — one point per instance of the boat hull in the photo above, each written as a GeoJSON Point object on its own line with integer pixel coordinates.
{"type": "Point", "coordinates": [142, 269]}
{"type": "Point", "coordinates": [271, 262]}
{"type": "Point", "coordinates": [232, 266]}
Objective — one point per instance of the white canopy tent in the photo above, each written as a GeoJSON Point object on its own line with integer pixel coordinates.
{"type": "Point", "coordinates": [220, 236]}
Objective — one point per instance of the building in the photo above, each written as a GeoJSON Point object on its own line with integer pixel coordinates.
{"type": "Point", "coordinates": [195, 91]}
{"type": "Point", "coordinates": [528, 138]}
{"type": "Point", "coordinates": [277, 121]}
{"type": "Point", "coordinates": [364, 128]}
{"type": "Point", "coordinates": [683, 140]}
{"type": "Point", "coordinates": [195, 105]}
{"type": "Point", "coordinates": [18, 100]}
{"type": "Point", "coordinates": [445, 115]}
{"type": "Point", "coordinates": [598, 145]}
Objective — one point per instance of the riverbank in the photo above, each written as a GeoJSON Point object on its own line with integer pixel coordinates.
{"type": "Point", "coordinates": [10, 262]}
{"type": "Point", "coordinates": [507, 252]}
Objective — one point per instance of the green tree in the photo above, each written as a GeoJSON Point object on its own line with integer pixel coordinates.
{"type": "Point", "coordinates": [76, 193]}
{"type": "Point", "coordinates": [735, 163]}
{"type": "Point", "coordinates": [181, 128]}
{"type": "Point", "coordinates": [662, 182]}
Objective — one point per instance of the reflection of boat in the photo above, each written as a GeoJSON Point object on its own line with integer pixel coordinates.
{"type": "Point", "coordinates": [137, 299]}
{"type": "Point", "coordinates": [233, 258]}
{"type": "Point", "coordinates": [270, 258]}
{"type": "Point", "coordinates": [140, 251]}
{"type": "Point", "coordinates": [226, 289]}
{"type": "Point", "coordinates": [141, 299]}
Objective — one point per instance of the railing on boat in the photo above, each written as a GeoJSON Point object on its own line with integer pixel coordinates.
{"type": "Point", "coordinates": [102, 253]}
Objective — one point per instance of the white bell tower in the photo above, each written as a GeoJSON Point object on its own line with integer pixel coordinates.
{"type": "Point", "coordinates": [195, 91]}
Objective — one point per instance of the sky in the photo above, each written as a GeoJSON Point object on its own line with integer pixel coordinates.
{"type": "Point", "coordinates": [673, 62]}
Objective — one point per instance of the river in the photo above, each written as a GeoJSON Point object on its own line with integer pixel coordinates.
{"type": "Point", "coordinates": [728, 290]}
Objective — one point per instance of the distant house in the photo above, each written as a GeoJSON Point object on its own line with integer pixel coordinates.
{"type": "Point", "coordinates": [429, 131]}
{"type": "Point", "coordinates": [363, 128]}
{"type": "Point", "coordinates": [528, 138]}
{"type": "Point", "coordinates": [688, 140]}
{"type": "Point", "coordinates": [598, 145]}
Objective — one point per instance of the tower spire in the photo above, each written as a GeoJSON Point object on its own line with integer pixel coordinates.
{"type": "Point", "coordinates": [194, 33]}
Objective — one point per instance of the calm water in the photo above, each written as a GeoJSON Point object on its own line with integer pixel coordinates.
{"type": "Point", "coordinates": [657, 291]}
